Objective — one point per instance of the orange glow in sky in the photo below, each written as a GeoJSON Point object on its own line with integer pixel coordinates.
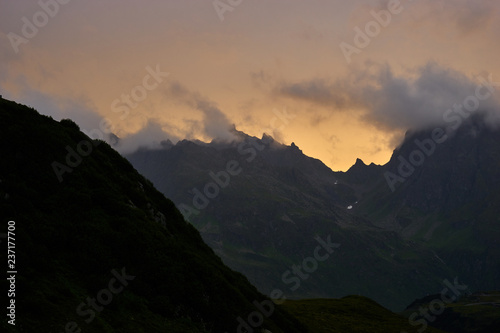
{"type": "Point", "coordinates": [88, 60]}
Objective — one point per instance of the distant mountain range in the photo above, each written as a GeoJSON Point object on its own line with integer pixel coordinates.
{"type": "Point", "coordinates": [261, 204]}
{"type": "Point", "coordinates": [449, 201]}
{"type": "Point", "coordinates": [99, 249]}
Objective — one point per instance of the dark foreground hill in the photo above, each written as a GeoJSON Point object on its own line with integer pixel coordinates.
{"type": "Point", "coordinates": [97, 248]}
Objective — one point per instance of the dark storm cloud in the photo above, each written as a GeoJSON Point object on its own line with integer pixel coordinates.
{"type": "Point", "coordinates": [389, 101]}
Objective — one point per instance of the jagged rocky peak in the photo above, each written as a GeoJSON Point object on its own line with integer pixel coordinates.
{"type": "Point", "coordinates": [267, 139]}
{"type": "Point", "coordinates": [167, 144]}
{"type": "Point", "coordinates": [359, 162]}
{"type": "Point", "coordinates": [294, 147]}
{"type": "Point", "coordinates": [357, 165]}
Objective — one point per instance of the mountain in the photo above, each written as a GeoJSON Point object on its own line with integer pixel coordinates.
{"type": "Point", "coordinates": [265, 207]}
{"type": "Point", "coordinates": [99, 249]}
{"type": "Point", "coordinates": [443, 191]}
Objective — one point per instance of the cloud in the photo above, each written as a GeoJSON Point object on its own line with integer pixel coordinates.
{"type": "Point", "coordinates": [474, 16]}
{"type": "Point", "coordinates": [261, 78]}
{"type": "Point", "coordinates": [150, 136]}
{"type": "Point", "coordinates": [81, 111]}
{"type": "Point", "coordinates": [416, 99]}
{"type": "Point", "coordinates": [308, 32]}
{"type": "Point", "coordinates": [466, 16]}
{"type": "Point", "coordinates": [214, 123]}
{"type": "Point", "coordinates": [317, 90]}
{"type": "Point", "coordinates": [83, 114]}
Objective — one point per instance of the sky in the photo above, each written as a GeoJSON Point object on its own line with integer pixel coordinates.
{"type": "Point", "coordinates": [340, 79]}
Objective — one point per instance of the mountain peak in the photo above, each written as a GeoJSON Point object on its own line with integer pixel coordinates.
{"type": "Point", "coordinates": [358, 164]}
{"type": "Point", "coordinates": [167, 144]}
{"type": "Point", "coordinates": [267, 138]}
{"type": "Point", "coordinates": [294, 147]}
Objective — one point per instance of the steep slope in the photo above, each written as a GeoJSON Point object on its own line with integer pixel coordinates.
{"type": "Point", "coordinates": [262, 205]}
{"type": "Point", "coordinates": [450, 199]}
{"type": "Point", "coordinates": [98, 248]}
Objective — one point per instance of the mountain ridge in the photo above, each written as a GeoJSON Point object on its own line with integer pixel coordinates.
{"type": "Point", "coordinates": [104, 221]}
{"type": "Point", "coordinates": [275, 206]}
